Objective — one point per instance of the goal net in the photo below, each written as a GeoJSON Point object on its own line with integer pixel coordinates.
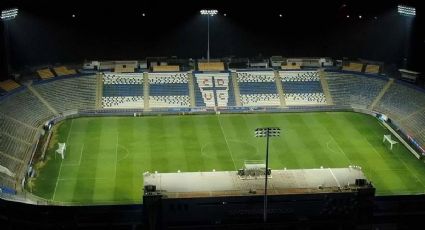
{"type": "Point", "coordinates": [61, 149]}
{"type": "Point", "coordinates": [388, 138]}
{"type": "Point", "coordinates": [254, 169]}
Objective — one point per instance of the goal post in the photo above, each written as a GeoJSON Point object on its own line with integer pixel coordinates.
{"type": "Point", "coordinates": [390, 140]}
{"type": "Point", "coordinates": [254, 169]}
{"type": "Point", "coordinates": [61, 150]}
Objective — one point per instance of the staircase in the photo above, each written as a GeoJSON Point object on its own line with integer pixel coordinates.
{"type": "Point", "coordinates": [191, 89]}
{"type": "Point", "coordinates": [325, 87]}
{"type": "Point", "coordinates": [236, 89]}
{"type": "Point", "coordinates": [99, 91]}
{"type": "Point", "coordinates": [146, 91]}
{"type": "Point", "coordinates": [279, 87]}
{"type": "Point", "coordinates": [381, 94]}
{"type": "Point", "coordinates": [33, 91]}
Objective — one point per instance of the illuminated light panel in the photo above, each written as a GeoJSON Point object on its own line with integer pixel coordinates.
{"type": "Point", "coordinates": [209, 12]}
{"type": "Point", "coordinates": [406, 10]}
{"type": "Point", "coordinates": [9, 14]}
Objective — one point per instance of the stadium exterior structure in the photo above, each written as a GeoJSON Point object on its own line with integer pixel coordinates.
{"type": "Point", "coordinates": [374, 104]}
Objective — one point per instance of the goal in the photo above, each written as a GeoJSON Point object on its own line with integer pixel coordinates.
{"type": "Point", "coordinates": [390, 140]}
{"type": "Point", "coordinates": [254, 169]}
{"type": "Point", "coordinates": [61, 149]}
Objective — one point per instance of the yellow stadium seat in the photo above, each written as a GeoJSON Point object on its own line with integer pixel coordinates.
{"type": "Point", "coordinates": [9, 85]}
{"type": "Point", "coordinates": [211, 66]}
{"type": "Point", "coordinates": [45, 73]}
{"type": "Point", "coordinates": [373, 69]}
{"type": "Point", "coordinates": [168, 68]}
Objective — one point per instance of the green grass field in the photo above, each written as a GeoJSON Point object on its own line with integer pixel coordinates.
{"type": "Point", "coordinates": [106, 156]}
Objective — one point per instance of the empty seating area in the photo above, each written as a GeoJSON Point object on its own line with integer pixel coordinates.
{"type": "Point", "coordinates": [260, 99]}
{"type": "Point", "coordinates": [16, 129]}
{"type": "Point", "coordinates": [302, 88]}
{"type": "Point", "coordinates": [122, 102]}
{"type": "Point", "coordinates": [122, 90]}
{"type": "Point", "coordinates": [168, 90]}
{"type": "Point", "coordinates": [405, 105]}
{"type": "Point", "coordinates": [414, 126]}
{"type": "Point", "coordinates": [401, 101]}
{"type": "Point", "coordinates": [354, 89]}
{"type": "Point", "coordinates": [25, 107]}
{"type": "Point", "coordinates": [213, 89]}
{"type": "Point", "coordinates": [74, 93]}
{"type": "Point", "coordinates": [295, 76]}
{"type": "Point", "coordinates": [20, 115]}
{"type": "Point", "coordinates": [305, 98]}
{"type": "Point", "coordinates": [258, 88]}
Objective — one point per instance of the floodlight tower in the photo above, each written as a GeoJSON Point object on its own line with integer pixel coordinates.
{"type": "Point", "coordinates": [266, 132]}
{"type": "Point", "coordinates": [208, 13]}
{"type": "Point", "coordinates": [7, 15]}
{"type": "Point", "coordinates": [408, 13]}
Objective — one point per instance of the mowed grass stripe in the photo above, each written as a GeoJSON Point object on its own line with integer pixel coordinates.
{"type": "Point", "coordinates": [190, 144]}
{"type": "Point", "coordinates": [124, 187]}
{"type": "Point", "coordinates": [112, 172]}
{"type": "Point", "coordinates": [213, 145]}
{"type": "Point", "coordinates": [240, 137]}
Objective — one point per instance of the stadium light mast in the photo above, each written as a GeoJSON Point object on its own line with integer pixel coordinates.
{"type": "Point", "coordinates": [266, 132]}
{"type": "Point", "coordinates": [407, 13]}
{"type": "Point", "coordinates": [209, 13]}
{"type": "Point", "coordinates": [8, 15]}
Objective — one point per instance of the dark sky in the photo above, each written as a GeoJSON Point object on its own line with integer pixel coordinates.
{"type": "Point", "coordinates": [46, 33]}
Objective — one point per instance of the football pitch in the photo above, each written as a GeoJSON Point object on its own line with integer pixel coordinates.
{"type": "Point", "coordinates": [106, 156]}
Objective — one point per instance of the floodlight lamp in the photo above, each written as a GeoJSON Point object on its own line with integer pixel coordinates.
{"type": "Point", "coordinates": [209, 12]}
{"type": "Point", "coordinates": [406, 10]}
{"type": "Point", "coordinates": [9, 14]}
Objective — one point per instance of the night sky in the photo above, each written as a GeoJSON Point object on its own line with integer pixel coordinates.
{"type": "Point", "coordinates": [46, 33]}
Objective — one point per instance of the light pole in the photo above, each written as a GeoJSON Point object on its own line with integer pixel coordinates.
{"type": "Point", "coordinates": [7, 15]}
{"type": "Point", "coordinates": [208, 13]}
{"type": "Point", "coordinates": [267, 132]}
{"type": "Point", "coordinates": [407, 13]}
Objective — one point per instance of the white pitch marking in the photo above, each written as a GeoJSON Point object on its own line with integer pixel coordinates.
{"type": "Point", "coordinates": [116, 157]}
{"type": "Point", "coordinates": [227, 144]}
{"type": "Point", "coordinates": [337, 182]}
{"type": "Point", "coordinates": [60, 167]}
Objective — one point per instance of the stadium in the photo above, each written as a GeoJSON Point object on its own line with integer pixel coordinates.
{"type": "Point", "coordinates": [124, 143]}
